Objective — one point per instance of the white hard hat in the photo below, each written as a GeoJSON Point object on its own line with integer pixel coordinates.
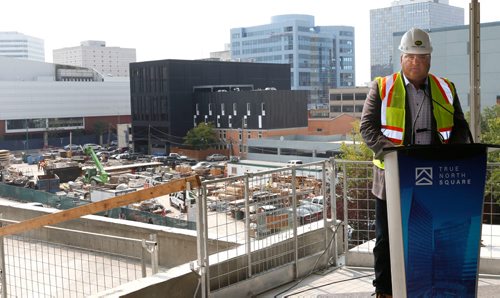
{"type": "Point", "coordinates": [415, 41]}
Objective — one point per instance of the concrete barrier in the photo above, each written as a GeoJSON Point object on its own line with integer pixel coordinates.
{"type": "Point", "coordinates": [175, 246]}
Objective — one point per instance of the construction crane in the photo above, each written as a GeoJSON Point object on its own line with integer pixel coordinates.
{"type": "Point", "coordinates": [95, 175]}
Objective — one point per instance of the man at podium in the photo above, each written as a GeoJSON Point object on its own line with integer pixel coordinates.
{"type": "Point", "coordinates": [410, 107]}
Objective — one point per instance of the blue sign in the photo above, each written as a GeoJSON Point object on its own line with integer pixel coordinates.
{"type": "Point", "coordinates": [441, 211]}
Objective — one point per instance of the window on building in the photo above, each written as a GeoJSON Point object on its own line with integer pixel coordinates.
{"type": "Point", "coordinates": [222, 110]}
{"type": "Point", "coordinates": [347, 96]}
{"type": "Point", "coordinates": [347, 109]}
{"type": "Point", "coordinates": [244, 124]}
{"type": "Point", "coordinates": [248, 108]}
{"type": "Point", "coordinates": [235, 108]}
{"type": "Point", "coordinates": [304, 79]}
{"type": "Point", "coordinates": [218, 120]}
{"type": "Point", "coordinates": [335, 96]}
{"type": "Point", "coordinates": [198, 109]}
{"type": "Point", "coordinates": [210, 109]}
{"type": "Point", "coordinates": [263, 108]}
{"type": "Point", "coordinates": [360, 96]}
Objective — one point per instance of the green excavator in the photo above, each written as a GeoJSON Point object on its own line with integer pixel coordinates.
{"type": "Point", "coordinates": [95, 175]}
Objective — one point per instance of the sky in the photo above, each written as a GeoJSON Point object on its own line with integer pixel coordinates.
{"type": "Point", "coordinates": [188, 29]}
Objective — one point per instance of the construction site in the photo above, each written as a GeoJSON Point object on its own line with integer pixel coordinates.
{"type": "Point", "coordinates": [81, 225]}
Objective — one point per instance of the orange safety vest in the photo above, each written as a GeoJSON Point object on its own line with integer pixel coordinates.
{"type": "Point", "coordinates": [393, 95]}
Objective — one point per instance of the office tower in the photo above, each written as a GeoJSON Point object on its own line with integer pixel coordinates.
{"type": "Point", "coordinates": [401, 16]}
{"type": "Point", "coordinates": [109, 61]}
{"type": "Point", "coordinates": [21, 46]}
{"type": "Point", "coordinates": [320, 57]}
{"type": "Point", "coordinates": [450, 59]}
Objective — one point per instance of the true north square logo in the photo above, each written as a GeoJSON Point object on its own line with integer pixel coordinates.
{"type": "Point", "coordinates": [446, 176]}
{"type": "Point", "coordinates": [423, 176]}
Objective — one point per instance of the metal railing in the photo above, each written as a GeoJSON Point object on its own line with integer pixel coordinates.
{"type": "Point", "coordinates": [268, 237]}
{"type": "Point", "coordinates": [269, 216]}
{"type": "Point", "coordinates": [39, 264]}
{"type": "Point", "coordinates": [268, 219]}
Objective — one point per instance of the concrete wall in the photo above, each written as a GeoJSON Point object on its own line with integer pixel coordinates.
{"type": "Point", "coordinates": [182, 282]}
{"type": "Point", "coordinates": [175, 246]}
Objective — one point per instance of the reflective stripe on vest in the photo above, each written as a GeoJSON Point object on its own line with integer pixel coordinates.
{"type": "Point", "coordinates": [393, 95]}
{"type": "Point", "coordinates": [443, 93]}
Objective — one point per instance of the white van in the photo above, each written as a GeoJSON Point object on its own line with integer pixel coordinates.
{"type": "Point", "coordinates": [294, 162]}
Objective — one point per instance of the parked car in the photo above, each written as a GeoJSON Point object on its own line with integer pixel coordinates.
{"type": "Point", "coordinates": [178, 199]}
{"type": "Point", "coordinates": [216, 157]}
{"type": "Point", "coordinates": [294, 162]}
{"type": "Point", "coordinates": [93, 146]}
{"type": "Point", "coordinates": [187, 160]}
{"type": "Point", "coordinates": [219, 206]}
{"type": "Point", "coordinates": [167, 160]}
{"type": "Point", "coordinates": [120, 156]}
{"type": "Point", "coordinates": [72, 147]}
{"type": "Point", "coordinates": [311, 206]}
{"type": "Point", "coordinates": [308, 213]}
{"type": "Point", "coordinates": [316, 200]}
{"type": "Point", "coordinates": [202, 165]}
{"type": "Point", "coordinates": [233, 158]}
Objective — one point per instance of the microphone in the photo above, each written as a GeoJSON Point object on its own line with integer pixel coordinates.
{"type": "Point", "coordinates": [469, 134]}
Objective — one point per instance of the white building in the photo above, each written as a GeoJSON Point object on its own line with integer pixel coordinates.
{"type": "Point", "coordinates": [40, 98]}
{"type": "Point", "coordinates": [21, 46]}
{"type": "Point", "coordinates": [109, 61]}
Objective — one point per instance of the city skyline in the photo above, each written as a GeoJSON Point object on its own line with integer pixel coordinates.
{"type": "Point", "coordinates": [188, 29]}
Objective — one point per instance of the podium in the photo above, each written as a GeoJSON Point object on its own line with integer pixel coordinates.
{"type": "Point", "coordinates": [434, 208]}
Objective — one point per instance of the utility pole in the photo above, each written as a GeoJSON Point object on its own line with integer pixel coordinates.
{"type": "Point", "coordinates": [27, 141]}
{"type": "Point", "coordinates": [474, 66]}
{"type": "Point", "coordinates": [149, 139]}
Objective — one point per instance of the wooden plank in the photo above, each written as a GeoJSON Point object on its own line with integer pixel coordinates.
{"type": "Point", "coordinates": [92, 208]}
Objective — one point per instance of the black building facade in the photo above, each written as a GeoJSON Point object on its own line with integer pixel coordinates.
{"type": "Point", "coordinates": [255, 110]}
{"type": "Point", "coordinates": [163, 94]}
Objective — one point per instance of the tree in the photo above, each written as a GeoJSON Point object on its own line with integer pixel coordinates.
{"type": "Point", "coordinates": [358, 150]}
{"type": "Point", "coordinates": [490, 130]}
{"type": "Point", "coordinates": [360, 203]}
{"type": "Point", "coordinates": [490, 134]}
{"type": "Point", "coordinates": [202, 136]}
{"type": "Point", "coordinates": [99, 128]}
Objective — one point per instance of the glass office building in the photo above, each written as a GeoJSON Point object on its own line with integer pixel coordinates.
{"type": "Point", "coordinates": [21, 46]}
{"type": "Point", "coordinates": [320, 57]}
{"type": "Point", "coordinates": [401, 16]}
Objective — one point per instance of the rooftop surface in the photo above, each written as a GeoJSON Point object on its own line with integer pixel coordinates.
{"type": "Point", "coordinates": [355, 283]}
